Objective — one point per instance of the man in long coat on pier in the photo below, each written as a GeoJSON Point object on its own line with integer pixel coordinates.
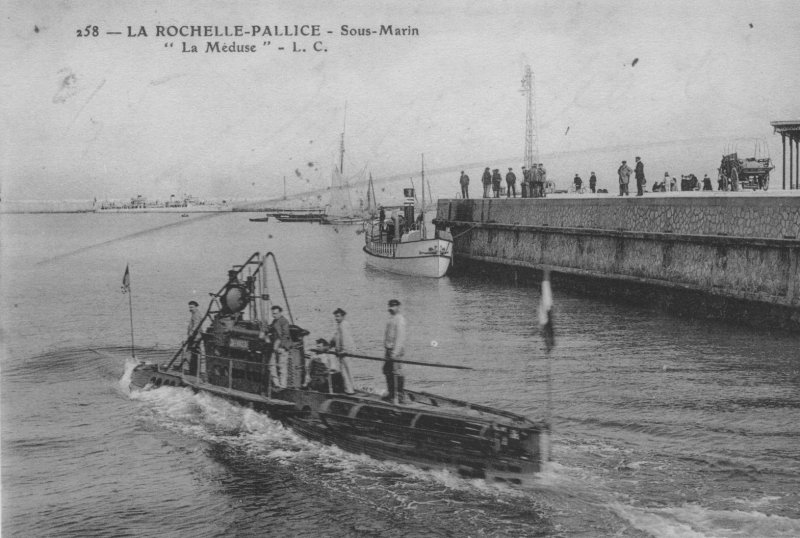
{"type": "Point", "coordinates": [497, 180]}
{"type": "Point", "coordinates": [487, 183]}
{"type": "Point", "coordinates": [640, 180]}
{"type": "Point", "coordinates": [511, 184]}
{"type": "Point", "coordinates": [624, 172]}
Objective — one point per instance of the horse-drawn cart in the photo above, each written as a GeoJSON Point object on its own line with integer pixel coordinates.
{"type": "Point", "coordinates": [737, 174]}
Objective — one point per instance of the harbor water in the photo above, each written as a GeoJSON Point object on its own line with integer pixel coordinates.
{"type": "Point", "coordinates": [662, 426]}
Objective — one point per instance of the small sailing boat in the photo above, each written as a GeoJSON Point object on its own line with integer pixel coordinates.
{"type": "Point", "coordinates": [340, 210]}
{"type": "Point", "coordinates": [399, 242]}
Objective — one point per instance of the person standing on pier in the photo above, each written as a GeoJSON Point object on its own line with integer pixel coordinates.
{"type": "Point", "coordinates": [487, 182]}
{"type": "Point", "coordinates": [640, 180]}
{"type": "Point", "coordinates": [497, 181]}
{"type": "Point", "coordinates": [526, 183]}
{"type": "Point", "coordinates": [624, 172]}
{"type": "Point", "coordinates": [578, 183]}
{"type": "Point", "coordinates": [593, 183]}
{"type": "Point", "coordinates": [394, 341]}
{"type": "Point", "coordinates": [667, 182]}
{"type": "Point", "coordinates": [511, 184]}
{"type": "Point", "coordinates": [707, 183]}
{"type": "Point", "coordinates": [464, 182]}
{"type": "Point", "coordinates": [342, 343]}
{"type": "Point", "coordinates": [540, 187]}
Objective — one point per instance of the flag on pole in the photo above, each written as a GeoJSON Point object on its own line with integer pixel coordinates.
{"type": "Point", "coordinates": [546, 314]}
{"type": "Point", "coordinates": [126, 280]}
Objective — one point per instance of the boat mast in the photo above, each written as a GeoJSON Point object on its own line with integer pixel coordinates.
{"type": "Point", "coordinates": [372, 202]}
{"type": "Point", "coordinates": [343, 183]}
{"type": "Point", "coordinates": [341, 143]}
{"type": "Point", "coordinates": [424, 235]}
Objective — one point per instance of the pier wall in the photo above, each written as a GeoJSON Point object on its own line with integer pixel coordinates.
{"type": "Point", "coordinates": [716, 256]}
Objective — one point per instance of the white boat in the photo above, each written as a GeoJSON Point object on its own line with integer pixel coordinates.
{"type": "Point", "coordinates": [413, 251]}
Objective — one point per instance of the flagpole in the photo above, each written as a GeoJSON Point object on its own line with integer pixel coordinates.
{"type": "Point", "coordinates": [546, 325]}
{"type": "Point", "coordinates": [126, 288]}
{"type": "Point", "coordinates": [549, 389]}
{"type": "Point", "coordinates": [130, 309]}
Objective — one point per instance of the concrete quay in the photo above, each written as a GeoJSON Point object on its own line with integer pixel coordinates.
{"type": "Point", "coordinates": [731, 256]}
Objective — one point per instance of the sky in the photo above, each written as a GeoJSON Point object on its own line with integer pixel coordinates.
{"type": "Point", "coordinates": [113, 116]}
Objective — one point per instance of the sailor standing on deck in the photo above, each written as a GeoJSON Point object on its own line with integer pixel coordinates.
{"type": "Point", "coordinates": [193, 340]}
{"type": "Point", "coordinates": [283, 339]}
{"type": "Point", "coordinates": [342, 343]}
{"type": "Point", "coordinates": [394, 342]}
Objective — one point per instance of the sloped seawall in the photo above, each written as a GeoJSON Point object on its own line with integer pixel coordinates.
{"type": "Point", "coordinates": [722, 255]}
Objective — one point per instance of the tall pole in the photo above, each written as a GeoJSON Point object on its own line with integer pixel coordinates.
{"type": "Point", "coordinates": [531, 136]}
{"type": "Point", "coordinates": [424, 235]}
{"type": "Point", "coordinates": [130, 311]}
{"type": "Point", "coordinates": [546, 326]}
{"type": "Point", "coordinates": [783, 168]}
{"type": "Point", "coordinates": [791, 160]}
{"type": "Point", "coordinates": [341, 143]}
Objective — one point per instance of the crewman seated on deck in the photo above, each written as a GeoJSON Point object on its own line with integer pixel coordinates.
{"type": "Point", "coordinates": [323, 372]}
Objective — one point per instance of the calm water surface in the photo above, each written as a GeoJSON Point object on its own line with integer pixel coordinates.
{"type": "Point", "coordinates": [662, 426]}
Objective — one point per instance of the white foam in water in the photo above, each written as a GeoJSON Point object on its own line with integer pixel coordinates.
{"type": "Point", "coordinates": [692, 521]}
{"type": "Point", "coordinates": [208, 417]}
{"type": "Point", "coordinates": [125, 380]}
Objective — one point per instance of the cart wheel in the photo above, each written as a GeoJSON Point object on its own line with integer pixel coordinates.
{"type": "Point", "coordinates": [766, 181]}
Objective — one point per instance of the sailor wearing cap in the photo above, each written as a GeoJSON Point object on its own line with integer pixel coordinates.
{"type": "Point", "coordinates": [342, 343]}
{"type": "Point", "coordinates": [193, 338]}
{"type": "Point", "coordinates": [194, 318]}
{"type": "Point", "coordinates": [394, 342]}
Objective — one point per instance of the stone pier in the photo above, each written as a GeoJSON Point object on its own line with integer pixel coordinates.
{"type": "Point", "coordinates": [721, 255]}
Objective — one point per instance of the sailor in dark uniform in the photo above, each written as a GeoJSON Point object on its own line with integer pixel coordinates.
{"type": "Point", "coordinates": [193, 340]}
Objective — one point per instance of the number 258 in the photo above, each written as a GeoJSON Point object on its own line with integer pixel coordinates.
{"type": "Point", "coordinates": [93, 31]}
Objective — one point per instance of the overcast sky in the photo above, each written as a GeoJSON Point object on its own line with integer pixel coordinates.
{"type": "Point", "coordinates": [115, 116]}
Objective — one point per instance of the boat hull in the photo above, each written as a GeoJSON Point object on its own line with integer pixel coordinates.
{"type": "Point", "coordinates": [428, 431]}
{"type": "Point", "coordinates": [298, 218]}
{"type": "Point", "coordinates": [426, 257]}
{"type": "Point", "coordinates": [342, 220]}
